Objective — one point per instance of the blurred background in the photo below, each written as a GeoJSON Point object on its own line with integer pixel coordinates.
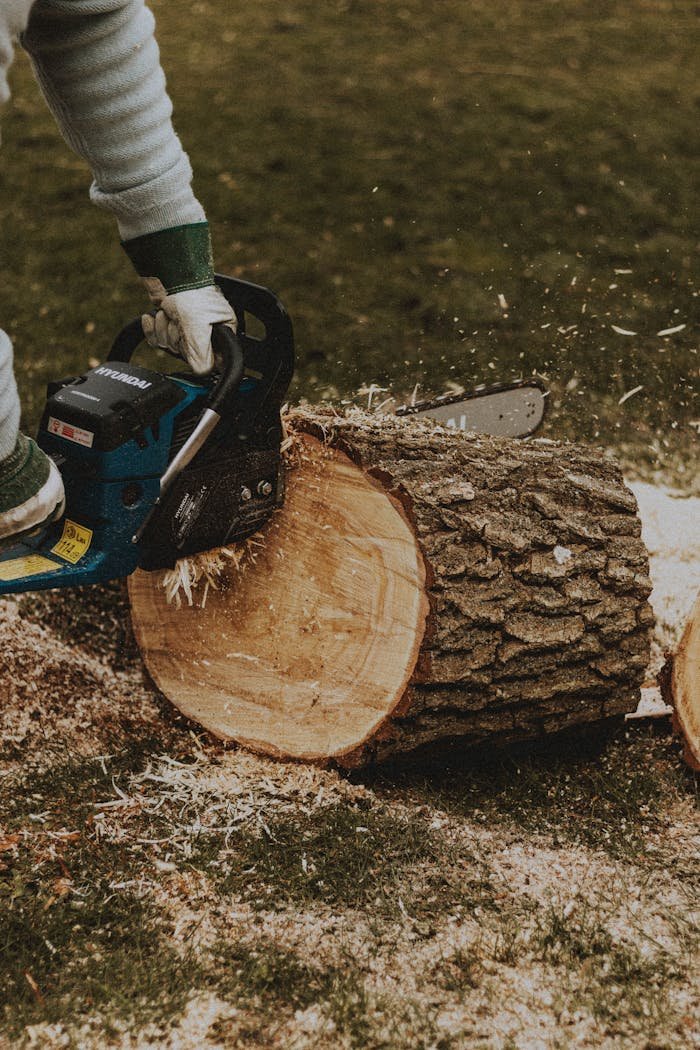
{"type": "Point", "coordinates": [443, 194]}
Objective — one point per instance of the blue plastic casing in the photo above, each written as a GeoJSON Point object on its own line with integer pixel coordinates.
{"type": "Point", "coordinates": [108, 495]}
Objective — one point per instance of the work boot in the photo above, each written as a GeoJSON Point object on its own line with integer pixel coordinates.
{"type": "Point", "coordinates": [31, 491]}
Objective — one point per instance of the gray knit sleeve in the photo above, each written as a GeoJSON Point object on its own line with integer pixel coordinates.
{"type": "Point", "coordinates": [99, 66]}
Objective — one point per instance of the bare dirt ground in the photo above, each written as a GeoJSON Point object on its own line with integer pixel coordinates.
{"type": "Point", "coordinates": [160, 890]}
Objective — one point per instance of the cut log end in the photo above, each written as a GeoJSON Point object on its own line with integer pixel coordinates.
{"type": "Point", "coordinates": [417, 587]}
{"type": "Point", "coordinates": [307, 652]}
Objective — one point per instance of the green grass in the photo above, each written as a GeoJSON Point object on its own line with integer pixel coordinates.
{"type": "Point", "coordinates": [266, 971]}
{"type": "Point", "coordinates": [271, 982]}
{"type": "Point", "coordinates": [349, 858]}
{"type": "Point", "coordinates": [391, 169]}
{"type": "Point", "coordinates": [75, 924]}
{"type": "Point", "coordinates": [341, 855]}
{"type": "Point", "coordinates": [84, 937]}
{"type": "Point", "coordinates": [66, 957]}
{"type": "Point", "coordinates": [463, 970]}
{"type": "Point", "coordinates": [76, 935]}
{"type": "Point", "coordinates": [611, 795]}
{"type": "Point", "coordinates": [625, 990]}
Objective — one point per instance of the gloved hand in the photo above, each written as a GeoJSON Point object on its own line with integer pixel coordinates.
{"type": "Point", "coordinates": [183, 323]}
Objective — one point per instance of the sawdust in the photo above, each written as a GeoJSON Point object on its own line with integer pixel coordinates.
{"type": "Point", "coordinates": [202, 1012]}
{"type": "Point", "coordinates": [57, 697]}
{"type": "Point", "coordinates": [240, 790]}
{"type": "Point", "coordinates": [205, 570]}
{"type": "Point", "coordinates": [473, 976]}
{"type": "Point", "coordinates": [192, 577]}
{"type": "Point", "coordinates": [403, 964]}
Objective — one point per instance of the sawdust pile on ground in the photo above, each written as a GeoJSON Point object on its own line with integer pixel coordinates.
{"type": "Point", "coordinates": [162, 891]}
{"type": "Point", "coordinates": [491, 937]}
{"type": "Point", "coordinates": [57, 693]}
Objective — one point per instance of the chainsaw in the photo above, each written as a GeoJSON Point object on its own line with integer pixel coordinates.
{"type": "Point", "coordinates": [157, 467]}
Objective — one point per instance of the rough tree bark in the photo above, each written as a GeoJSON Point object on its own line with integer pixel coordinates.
{"type": "Point", "coordinates": [419, 585]}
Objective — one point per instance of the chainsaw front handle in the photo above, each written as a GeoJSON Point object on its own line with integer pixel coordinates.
{"type": "Point", "coordinates": [269, 358]}
{"type": "Point", "coordinates": [226, 347]}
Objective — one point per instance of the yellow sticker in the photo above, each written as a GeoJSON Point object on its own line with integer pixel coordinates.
{"type": "Point", "coordinates": [74, 542]}
{"type": "Point", "coordinates": [31, 565]}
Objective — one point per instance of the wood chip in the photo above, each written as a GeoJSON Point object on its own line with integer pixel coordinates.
{"type": "Point", "coordinates": [672, 331]}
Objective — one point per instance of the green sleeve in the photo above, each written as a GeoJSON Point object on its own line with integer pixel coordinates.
{"type": "Point", "coordinates": [179, 257]}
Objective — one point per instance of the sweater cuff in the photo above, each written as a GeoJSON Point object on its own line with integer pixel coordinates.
{"type": "Point", "coordinates": [180, 257]}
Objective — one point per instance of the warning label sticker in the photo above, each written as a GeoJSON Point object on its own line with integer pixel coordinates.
{"type": "Point", "coordinates": [74, 542]}
{"type": "Point", "coordinates": [69, 432]}
{"type": "Point", "coordinates": [31, 565]}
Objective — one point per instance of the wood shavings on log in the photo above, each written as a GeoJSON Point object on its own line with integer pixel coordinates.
{"type": "Point", "coordinates": [205, 570]}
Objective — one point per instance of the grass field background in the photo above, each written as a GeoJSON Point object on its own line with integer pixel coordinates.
{"type": "Point", "coordinates": [398, 171]}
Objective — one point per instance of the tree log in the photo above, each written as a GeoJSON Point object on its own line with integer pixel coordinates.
{"type": "Point", "coordinates": [680, 687]}
{"type": "Point", "coordinates": [419, 586]}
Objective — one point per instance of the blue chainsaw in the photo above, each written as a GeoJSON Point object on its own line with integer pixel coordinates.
{"type": "Point", "coordinates": [157, 467]}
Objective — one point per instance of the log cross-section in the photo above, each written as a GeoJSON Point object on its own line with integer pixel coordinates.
{"type": "Point", "coordinates": [418, 586]}
{"type": "Point", "coordinates": [312, 645]}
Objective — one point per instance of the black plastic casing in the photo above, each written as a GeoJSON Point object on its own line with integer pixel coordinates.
{"type": "Point", "coordinates": [112, 402]}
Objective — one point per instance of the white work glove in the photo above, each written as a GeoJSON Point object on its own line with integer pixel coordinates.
{"type": "Point", "coordinates": [183, 324]}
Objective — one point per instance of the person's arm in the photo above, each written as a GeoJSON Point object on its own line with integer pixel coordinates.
{"type": "Point", "coordinates": [99, 67]}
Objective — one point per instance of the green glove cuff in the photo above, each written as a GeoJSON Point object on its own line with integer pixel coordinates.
{"type": "Point", "coordinates": [180, 257]}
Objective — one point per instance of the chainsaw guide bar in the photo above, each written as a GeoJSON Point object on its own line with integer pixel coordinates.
{"type": "Point", "coordinates": [512, 410]}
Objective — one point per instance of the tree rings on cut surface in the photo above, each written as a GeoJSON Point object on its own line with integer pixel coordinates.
{"type": "Point", "coordinates": [306, 651]}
